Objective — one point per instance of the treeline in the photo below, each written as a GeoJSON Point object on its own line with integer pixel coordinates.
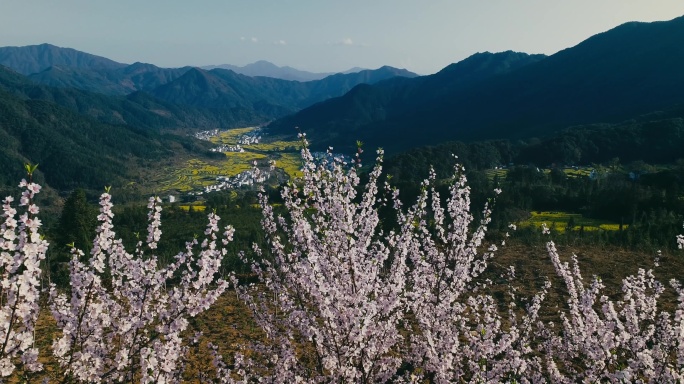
{"type": "Point", "coordinates": [648, 210]}
{"type": "Point", "coordinates": [655, 142]}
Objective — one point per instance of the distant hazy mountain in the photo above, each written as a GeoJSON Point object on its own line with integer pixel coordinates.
{"type": "Point", "coordinates": [196, 99]}
{"type": "Point", "coordinates": [632, 69]}
{"type": "Point", "coordinates": [232, 97]}
{"type": "Point", "coordinates": [268, 69]}
{"type": "Point", "coordinates": [36, 58]}
{"type": "Point", "coordinates": [354, 70]}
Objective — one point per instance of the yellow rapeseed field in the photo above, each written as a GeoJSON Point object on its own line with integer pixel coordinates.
{"type": "Point", "coordinates": [194, 174]}
{"type": "Point", "coordinates": [560, 220]}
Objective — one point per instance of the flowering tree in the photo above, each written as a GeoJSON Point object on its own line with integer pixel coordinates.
{"type": "Point", "coordinates": [346, 289]}
{"type": "Point", "coordinates": [123, 318]}
{"type": "Point", "coordinates": [21, 250]}
{"type": "Point", "coordinates": [332, 295]}
{"type": "Point", "coordinates": [459, 332]}
{"type": "Point", "coordinates": [322, 284]}
{"type": "Point", "coordinates": [630, 340]}
{"type": "Point", "coordinates": [341, 298]}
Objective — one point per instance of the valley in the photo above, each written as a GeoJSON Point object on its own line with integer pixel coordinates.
{"type": "Point", "coordinates": [194, 177]}
{"type": "Point", "coordinates": [198, 131]}
{"type": "Point", "coordinates": [503, 175]}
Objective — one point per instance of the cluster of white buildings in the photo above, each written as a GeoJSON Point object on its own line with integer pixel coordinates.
{"type": "Point", "coordinates": [206, 135]}
{"type": "Point", "coordinates": [228, 148]}
{"type": "Point", "coordinates": [251, 137]}
{"type": "Point", "coordinates": [330, 159]}
{"type": "Point", "coordinates": [243, 179]}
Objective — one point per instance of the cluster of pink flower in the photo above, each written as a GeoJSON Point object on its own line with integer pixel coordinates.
{"type": "Point", "coordinates": [630, 340]}
{"type": "Point", "coordinates": [332, 281]}
{"type": "Point", "coordinates": [123, 317]}
{"type": "Point", "coordinates": [344, 297]}
{"type": "Point", "coordinates": [21, 250]}
{"type": "Point", "coordinates": [376, 305]}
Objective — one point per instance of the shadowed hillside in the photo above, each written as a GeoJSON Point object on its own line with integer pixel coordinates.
{"type": "Point", "coordinates": [629, 70]}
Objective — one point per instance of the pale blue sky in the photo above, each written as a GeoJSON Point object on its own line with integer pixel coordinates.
{"type": "Point", "coordinates": [321, 36]}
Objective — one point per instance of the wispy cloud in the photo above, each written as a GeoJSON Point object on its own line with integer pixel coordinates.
{"type": "Point", "coordinates": [280, 42]}
{"type": "Point", "coordinates": [250, 39]}
{"type": "Point", "coordinates": [347, 41]}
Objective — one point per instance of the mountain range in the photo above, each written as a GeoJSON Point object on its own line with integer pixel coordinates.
{"type": "Point", "coordinates": [268, 69]}
{"type": "Point", "coordinates": [90, 121]}
{"type": "Point", "coordinates": [138, 109]}
{"type": "Point", "coordinates": [633, 69]}
{"type": "Point", "coordinates": [61, 100]}
{"type": "Point", "coordinates": [269, 97]}
{"type": "Point", "coordinates": [234, 98]}
{"type": "Point", "coordinates": [113, 81]}
{"type": "Point", "coordinates": [32, 59]}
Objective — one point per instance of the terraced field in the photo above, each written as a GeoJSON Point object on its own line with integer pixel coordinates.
{"type": "Point", "coordinates": [570, 172]}
{"type": "Point", "coordinates": [580, 172]}
{"type": "Point", "coordinates": [290, 162]}
{"type": "Point", "coordinates": [200, 208]}
{"type": "Point", "coordinates": [277, 146]}
{"type": "Point", "coordinates": [189, 175]}
{"type": "Point", "coordinates": [498, 173]}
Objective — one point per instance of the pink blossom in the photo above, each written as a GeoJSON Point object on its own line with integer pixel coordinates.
{"type": "Point", "coordinates": [23, 249]}
{"type": "Point", "coordinates": [134, 327]}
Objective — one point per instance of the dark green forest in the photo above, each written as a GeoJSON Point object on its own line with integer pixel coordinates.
{"type": "Point", "coordinates": [654, 139]}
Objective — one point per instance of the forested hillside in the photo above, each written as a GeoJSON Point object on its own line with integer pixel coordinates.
{"type": "Point", "coordinates": [76, 151]}
{"type": "Point", "coordinates": [137, 109]}
{"type": "Point", "coordinates": [630, 70]}
{"type": "Point", "coordinates": [117, 81]}
{"type": "Point", "coordinates": [654, 139]}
